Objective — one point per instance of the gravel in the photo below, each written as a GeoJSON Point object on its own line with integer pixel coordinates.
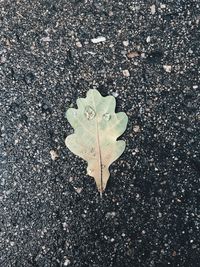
{"type": "Point", "coordinates": [50, 211]}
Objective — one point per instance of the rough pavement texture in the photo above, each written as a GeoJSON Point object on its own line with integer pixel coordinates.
{"type": "Point", "coordinates": [50, 210]}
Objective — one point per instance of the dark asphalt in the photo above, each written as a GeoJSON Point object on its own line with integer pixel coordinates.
{"type": "Point", "coordinates": [50, 211]}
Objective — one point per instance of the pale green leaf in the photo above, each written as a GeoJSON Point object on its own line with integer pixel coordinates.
{"type": "Point", "coordinates": [96, 129]}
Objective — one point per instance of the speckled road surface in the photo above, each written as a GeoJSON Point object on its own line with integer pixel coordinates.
{"type": "Point", "coordinates": [148, 57]}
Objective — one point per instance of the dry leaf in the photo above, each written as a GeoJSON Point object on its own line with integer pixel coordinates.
{"type": "Point", "coordinates": [133, 54]}
{"type": "Point", "coordinates": [96, 129]}
{"type": "Point", "coordinates": [54, 154]}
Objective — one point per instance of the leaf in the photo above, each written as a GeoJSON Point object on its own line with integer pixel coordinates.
{"type": "Point", "coordinates": [96, 129]}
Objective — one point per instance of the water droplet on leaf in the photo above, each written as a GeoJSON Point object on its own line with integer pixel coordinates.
{"type": "Point", "coordinates": [89, 113]}
{"type": "Point", "coordinates": [107, 116]}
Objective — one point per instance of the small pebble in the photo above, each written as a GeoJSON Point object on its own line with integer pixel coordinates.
{"type": "Point", "coordinates": [162, 6]}
{"type": "Point", "coordinates": [78, 189]}
{"type": "Point", "coordinates": [167, 68]}
{"type": "Point", "coordinates": [99, 39]}
{"type": "Point", "coordinates": [54, 154]}
{"type": "Point", "coordinates": [16, 141]}
{"type": "Point", "coordinates": [115, 94]}
{"type": "Point", "coordinates": [136, 128]}
{"type": "Point", "coordinates": [125, 43]}
{"type": "Point", "coordinates": [78, 44]}
{"type": "Point", "coordinates": [148, 39]}
{"type": "Point", "coordinates": [67, 262]}
{"type": "Point", "coordinates": [64, 225]}
{"type": "Point", "coordinates": [153, 9]}
{"type": "Point", "coordinates": [126, 73]}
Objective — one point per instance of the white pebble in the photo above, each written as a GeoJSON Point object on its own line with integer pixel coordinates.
{"type": "Point", "coordinates": [125, 43]}
{"type": "Point", "coordinates": [162, 6]}
{"type": "Point", "coordinates": [153, 9]}
{"type": "Point", "coordinates": [115, 94]}
{"type": "Point", "coordinates": [16, 141]}
{"type": "Point", "coordinates": [126, 73]}
{"type": "Point", "coordinates": [148, 39]}
{"type": "Point", "coordinates": [67, 262]}
{"type": "Point", "coordinates": [64, 225]}
{"type": "Point", "coordinates": [99, 39]}
{"type": "Point", "coordinates": [167, 68]}
{"type": "Point", "coordinates": [78, 44]}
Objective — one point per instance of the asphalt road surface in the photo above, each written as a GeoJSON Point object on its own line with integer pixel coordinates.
{"type": "Point", "coordinates": [146, 54]}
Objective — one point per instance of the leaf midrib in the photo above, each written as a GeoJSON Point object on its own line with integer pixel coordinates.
{"type": "Point", "coordinates": [98, 145]}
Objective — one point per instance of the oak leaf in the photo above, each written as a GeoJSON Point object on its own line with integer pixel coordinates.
{"type": "Point", "coordinates": [96, 129]}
